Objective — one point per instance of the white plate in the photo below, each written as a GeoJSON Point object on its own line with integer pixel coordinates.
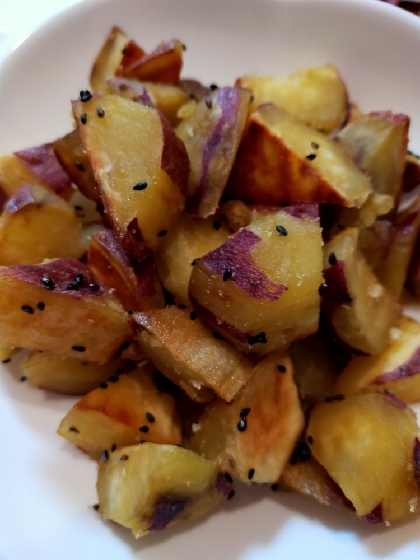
{"type": "Point", "coordinates": [46, 486]}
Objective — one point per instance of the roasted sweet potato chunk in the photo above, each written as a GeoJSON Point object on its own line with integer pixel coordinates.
{"type": "Point", "coordinates": [108, 60]}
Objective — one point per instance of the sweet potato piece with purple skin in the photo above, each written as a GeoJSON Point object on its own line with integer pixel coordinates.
{"type": "Point", "coordinates": [396, 369]}
{"type": "Point", "coordinates": [108, 59]}
{"type": "Point", "coordinates": [211, 136]}
{"type": "Point", "coordinates": [148, 487]}
{"type": "Point", "coordinates": [142, 177]}
{"type": "Point", "coordinates": [260, 289]}
{"type": "Point", "coordinates": [411, 176]}
{"type": "Point", "coordinates": [184, 350]}
{"type": "Point", "coordinates": [280, 159]}
{"type": "Point", "coordinates": [254, 436]}
{"type": "Point", "coordinates": [135, 283]}
{"type": "Point", "coordinates": [59, 307]}
{"type": "Point", "coordinates": [163, 65]}
{"type": "Point", "coordinates": [124, 410]}
{"type": "Point", "coordinates": [357, 307]}
{"type": "Point", "coordinates": [377, 143]}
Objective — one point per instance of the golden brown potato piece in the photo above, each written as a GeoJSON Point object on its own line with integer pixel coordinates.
{"type": "Point", "coordinates": [280, 159]}
{"type": "Point", "coordinates": [396, 369]}
{"type": "Point", "coordinates": [185, 244]}
{"type": "Point", "coordinates": [148, 487]}
{"type": "Point", "coordinates": [60, 308]}
{"type": "Point", "coordinates": [260, 289]}
{"type": "Point", "coordinates": [36, 225]}
{"type": "Point", "coordinates": [316, 96]}
{"type": "Point", "coordinates": [358, 308]}
{"type": "Point", "coordinates": [142, 177]}
{"type": "Point", "coordinates": [254, 436]}
{"type": "Point", "coordinates": [108, 60]}
{"type": "Point", "coordinates": [125, 410]}
{"type": "Point", "coordinates": [182, 348]}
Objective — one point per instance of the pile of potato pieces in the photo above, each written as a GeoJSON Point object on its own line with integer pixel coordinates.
{"type": "Point", "coordinates": [218, 273]}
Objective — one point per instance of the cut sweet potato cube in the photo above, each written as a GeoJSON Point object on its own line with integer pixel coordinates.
{"type": "Point", "coordinates": [182, 348]}
{"type": "Point", "coordinates": [108, 60]}
{"type": "Point", "coordinates": [126, 410]}
{"type": "Point", "coordinates": [188, 240]}
{"type": "Point", "coordinates": [37, 225]}
{"type": "Point", "coordinates": [260, 289]}
{"type": "Point", "coordinates": [316, 96]}
{"type": "Point", "coordinates": [280, 159]}
{"type": "Point", "coordinates": [135, 283]}
{"type": "Point", "coordinates": [254, 436]}
{"type": "Point", "coordinates": [60, 308]}
{"type": "Point", "coordinates": [395, 369]}
{"type": "Point", "coordinates": [140, 165]}
{"type": "Point", "coordinates": [149, 486]}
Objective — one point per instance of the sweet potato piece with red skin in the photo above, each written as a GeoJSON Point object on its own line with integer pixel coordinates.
{"type": "Point", "coordinates": [254, 436]}
{"type": "Point", "coordinates": [280, 159]}
{"type": "Point", "coordinates": [108, 59]}
{"type": "Point", "coordinates": [377, 143]}
{"type": "Point", "coordinates": [125, 410]}
{"type": "Point", "coordinates": [358, 308]}
{"type": "Point", "coordinates": [37, 225]}
{"type": "Point", "coordinates": [211, 136]}
{"type": "Point", "coordinates": [183, 349]}
{"type": "Point", "coordinates": [142, 177]}
{"type": "Point", "coordinates": [135, 283]}
{"type": "Point", "coordinates": [163, 65]}
{"type": "Point", "coordinates": [44, 307]}
{"type": "Point", "coordinates": [396, 369]}
{"type": "Point", "coordinates": [260, 289]}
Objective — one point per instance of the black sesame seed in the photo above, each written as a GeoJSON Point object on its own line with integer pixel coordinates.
{"type": "Point", "coordinates": [80, 167]}
{"type": "Point", "coordinates": [244, 412]}
{"type": "Point", "coordinates": [103, 385]}
{"type": "Point", "coordinates": [124, 457]}
{"type": "Point", "coordinates": [79, 278]}
{"type": "Point", "coordinates": [251, 473]}
{"type": "Point", "coordinates": [209, 103]}
{"type": "Point", "coordinates": [78, 208]}
{"type": "Point", "coordinates": [140, 186]}
{"type": "Point", "coordinates": [314, 145]}
{"type": "Point", "coordinates": [48, 283]}
{"type": "Point", "coordinates": [162, 233]}
{"type": "Point", "coordinates": [182, 306]}
{"type": "Point", "coordinates": [74, 429]}
{"type": "Point", "coordinates": [6, 361]}
{"type": "Point", "coordinates": [94, 287]}
{"type": "Point", "coordinates": [114, 378]}
{"type": "Point", "coordinates": [79, 348]}
{"type": "Point", "coordinates": [195, 261]}
{"type": "Point", "coordinates": [119, 371]}
{"type": "Point", "coordinates": [28, 309]}
{"type": "Point", "coordinates": [218, 336]}
{"type": "Point", "coordinates": [95, 507]}
{"type": "Point", "coordinates": [193, 315]}
{"type": "Point", "coordinates": [100, 112]}
{"type": "Point", "coordinates": [213, 87]}
{"type": "Point", "coordinates": [227, 275]}
{"type": "Point", "coordinates": [258, 338]}
{"type": "Point", "coordinates": [228, 477]}
{"type": "Point", "coordinates": [242, 425]}
{"type": "Point", "coordinates": [83, 118]}
{"type": "Point", "coordinates": [85, 96]}
{"type": "Point", "coordinates": [217, 224]}
{"type": "Point", "coordinates": [274, 487]}
{"type": "Point", "coordinates": [113, 447]}
{"type": "Point", "coordinates": [332, 259]}
{"type": "Point", "coordinates": [150, 417]}
{"type": "Point", "coordinates": [23, 378]}
{"type": "Point", "coordinates": [310, 439]}
{"type": "Point", "coordinates": [231, 494]}
{"type": "Point", "coordinates": [310, 157]}
{"type": "Point", "coordinates": [144, 429]}
{"type": "Point", "coordinates": [281, 230]}
{"type": "Point", "coordinates": [184, 47]}
{"type": "Point", "coordinates": [281, 368]}
{"type": "Point", "coordinates": [105, 456]}
{"type": "Point", "coordinates": [301, 453]}
{"type": "Point", "coordinates": [72, 286]}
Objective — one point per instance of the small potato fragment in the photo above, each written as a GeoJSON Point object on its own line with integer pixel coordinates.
{"type": "Point", "coordinates": [148, 487]}
{"type": "Point", "coordinates": [37, 225]}
{"type": "Point", "coordinates": [125, 410]}
{"type": "Point", "coordinates": [260, 289]}
{"type": "Point", "coordinates": [365, 442]}
{"type": "Point", "coordinates": [396, 369]}
{"type": "Point", "coordinates": [69, 376]}
{"type": "Point", "coordinates": [316, 96]}
{"type": "Point", "coordinates": [108, 59]}
{"type": "Point", "coordinates": [358, 308]}
{"type": "Point", "coordinates": [182, 348]}
{"type": "Point", "coordinates": [59, 307]}
{"type": "Point", "coordinates": [142, 176]}
{"type": "Point", "coordinates": [254, 436]}
{"type": "Point", "coordinates": [280, 159]}
{"type": "Point", "coordinates": [185, 244]}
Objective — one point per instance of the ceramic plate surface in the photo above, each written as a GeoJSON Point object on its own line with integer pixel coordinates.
{"type": "Point", "coordinates": [47, 487]}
